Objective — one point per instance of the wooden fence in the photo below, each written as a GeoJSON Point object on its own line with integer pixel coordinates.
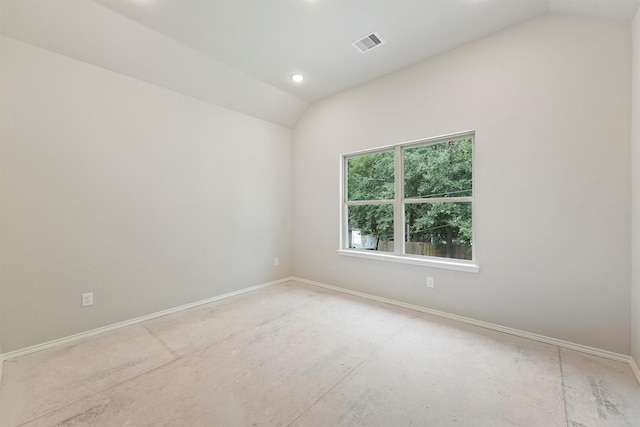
{"type": "Point", "coordinates": [429, 249]}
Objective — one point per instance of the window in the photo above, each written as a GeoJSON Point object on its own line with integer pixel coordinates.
{"type": "Point", "coordinates": [411, 203]}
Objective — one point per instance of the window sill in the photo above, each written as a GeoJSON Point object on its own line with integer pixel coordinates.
{"type": "Point", "coordinates": [448, 264]}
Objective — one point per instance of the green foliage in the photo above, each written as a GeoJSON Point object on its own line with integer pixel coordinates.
{"type": "Point", "coordinates": [439, 222]}
{"type": "Point", "coordinates": [371, 177]}
{"type": "Point", "coordinates": [441, 170]}
{"type": "Point", "coordinates": [438, 170]}
{"type": "Point", "coordinates": [373, 220]}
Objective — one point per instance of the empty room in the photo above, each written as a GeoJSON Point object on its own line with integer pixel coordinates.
{"type": "Point", "coordinates": [320, 213]}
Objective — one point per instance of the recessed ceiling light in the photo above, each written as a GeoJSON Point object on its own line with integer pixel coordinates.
{"type": "Point", "coordinates": [297, 78]}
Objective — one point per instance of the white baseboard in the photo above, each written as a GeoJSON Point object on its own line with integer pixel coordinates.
{"type": "Point", "coordinates": [634, 368]}
{"type": "Point", "coordinates": [540, 338]}
{"type": "Point", "coordinates": [81, 335]}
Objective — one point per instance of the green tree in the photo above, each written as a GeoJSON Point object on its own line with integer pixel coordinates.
{"type": "Point", "coordinates": [439, 171]}
{"type": "Point", "coordinates": [436, 171]}
{"type": "Point", "coordinates": [371, 177]}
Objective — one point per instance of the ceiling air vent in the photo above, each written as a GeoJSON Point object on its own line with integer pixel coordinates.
{"type": "Point", "coordinates": [368, 42]}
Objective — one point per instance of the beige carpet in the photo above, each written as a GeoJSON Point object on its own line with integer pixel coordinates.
{"type": "Point", "coordinates": [298, 355]}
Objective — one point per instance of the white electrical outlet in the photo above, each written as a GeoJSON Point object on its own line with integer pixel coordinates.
{"type": "Point", "coordinates": [431, 283]}
{"type": "Point", "coordinates": [276, 261]}
{"type": "Point", "coordinates": [87, 299]}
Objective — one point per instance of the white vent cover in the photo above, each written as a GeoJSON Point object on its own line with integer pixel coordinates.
{"type": "Point", "coordinates": [368, 42]}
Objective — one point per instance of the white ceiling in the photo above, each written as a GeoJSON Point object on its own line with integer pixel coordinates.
{"type": "Point", "coordinates": [272, 39]}
{"type": "Point", "coordinates": [240, 54]}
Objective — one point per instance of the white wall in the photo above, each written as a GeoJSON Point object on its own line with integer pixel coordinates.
{"type": "Point", "coordinates": [146, 197]}
{"type": "Point", "coordinates": [635, 257]}
{"type": "Point", "coordinates": [549, 100]}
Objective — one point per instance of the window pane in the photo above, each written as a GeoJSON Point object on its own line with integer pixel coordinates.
{"type": "Point", "coordinates": [370, 177]}
{"type": "Point", "coordinates": [371, 227]}
{"type": "Point", "coordinates": [438, 170]}
{"type": "Point", "coordinates": [438, 229]}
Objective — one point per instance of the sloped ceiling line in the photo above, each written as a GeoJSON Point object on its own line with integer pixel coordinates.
{"type": "Point", "coordinates": [239, 54]}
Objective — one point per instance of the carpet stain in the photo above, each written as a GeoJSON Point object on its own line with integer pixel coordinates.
{"type": "Point", "coordinates": [357, 411]}
{"type": "Point", "coordinates": [606, 399]}
{"type": "Point", "coordinates": [84, 417]}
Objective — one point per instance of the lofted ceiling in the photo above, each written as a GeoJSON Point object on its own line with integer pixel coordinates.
{"type": "Point", "coordinates": [240, 52]}
{"type": "Point", "coordinates": [273, 39]}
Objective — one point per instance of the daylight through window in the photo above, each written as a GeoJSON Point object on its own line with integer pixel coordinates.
{"type": "Point", "coordinates": [413, 199]}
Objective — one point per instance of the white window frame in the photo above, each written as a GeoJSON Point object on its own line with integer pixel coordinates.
{"type": "Point", "coordinates": [398, 202]}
